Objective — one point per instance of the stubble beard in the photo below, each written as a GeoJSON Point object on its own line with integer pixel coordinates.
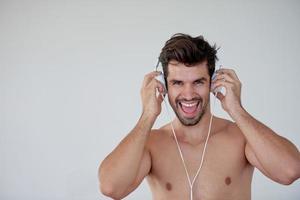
{"type": "Point", "coordinates": [190, 121]}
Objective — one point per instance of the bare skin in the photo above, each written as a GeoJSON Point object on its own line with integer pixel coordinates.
{"type": "Point", "coordinates": [234, 149]}
{"type": "Point", "coordinates": [226, 173]}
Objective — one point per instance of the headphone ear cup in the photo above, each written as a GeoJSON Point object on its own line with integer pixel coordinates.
{"type": "Point", "coordinates": [161, 79]}
{"type": "Point", "coordinates": [218, 89]}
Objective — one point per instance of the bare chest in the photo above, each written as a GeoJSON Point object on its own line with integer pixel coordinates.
{"type": "Point", "coordinates": [225, 173]}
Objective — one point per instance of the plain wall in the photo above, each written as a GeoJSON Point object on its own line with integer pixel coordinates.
{"type": "Point", "coordinates": [71, 71]}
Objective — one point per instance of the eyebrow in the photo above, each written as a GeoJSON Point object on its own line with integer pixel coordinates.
{"type": "Point", "coordinates": [199, 79]}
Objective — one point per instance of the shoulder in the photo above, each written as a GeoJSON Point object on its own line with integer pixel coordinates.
{"type": "Point", "coordinates": [160, 137]}
{"type": "Point", "coordinates": [163, 132]}
{"type": "Point", "coordinates": [228, 128]}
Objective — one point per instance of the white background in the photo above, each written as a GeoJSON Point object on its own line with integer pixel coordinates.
{"type": "Point", "coordinates": [70, 75]}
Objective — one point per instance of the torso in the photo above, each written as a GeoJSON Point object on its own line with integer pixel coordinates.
{"type": "Point", "coordinates": [225, 174]}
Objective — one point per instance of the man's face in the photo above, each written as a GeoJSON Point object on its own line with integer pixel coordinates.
{"type": "Point", "coordinates": [188, 91]}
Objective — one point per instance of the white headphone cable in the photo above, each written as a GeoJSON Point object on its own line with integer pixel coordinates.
{"type": "Point", "coordinates": [191, 183]}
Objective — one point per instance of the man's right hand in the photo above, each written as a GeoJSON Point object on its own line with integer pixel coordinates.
{"type": "Point", "coordinates": [151, 102]}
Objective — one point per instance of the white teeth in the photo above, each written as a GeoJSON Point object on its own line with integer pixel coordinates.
{"type": "Point", "coordinates": [189, 104]}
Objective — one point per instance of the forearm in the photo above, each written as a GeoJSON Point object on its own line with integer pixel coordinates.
{"type": "Point", "coordinates": [119, 169]}
{"type": "Point", "coordinates": [277, 155]}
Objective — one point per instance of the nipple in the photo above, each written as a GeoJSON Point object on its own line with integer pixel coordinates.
{"type": "Point", "coordinates": [168, 186]}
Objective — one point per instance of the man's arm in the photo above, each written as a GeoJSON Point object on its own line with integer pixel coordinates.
{"type": "Point", "coordinates": [272, 154]}
{"type": "Point", "coordinates": [127, 165]}
{"type": "Point", "coordinates": [119, 170]}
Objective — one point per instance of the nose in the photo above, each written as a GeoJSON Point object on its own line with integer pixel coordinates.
{"type": "Point", "coordinates": [188, 92]}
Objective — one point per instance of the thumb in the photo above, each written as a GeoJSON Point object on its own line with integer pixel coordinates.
{"type": "Point", "coordinates": [220, 96]}
{"type": "Point", "coordinates": [159, 98]}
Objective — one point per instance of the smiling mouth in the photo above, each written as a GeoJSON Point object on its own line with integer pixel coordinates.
{"type": "Point", "coordinates": [189, 108]}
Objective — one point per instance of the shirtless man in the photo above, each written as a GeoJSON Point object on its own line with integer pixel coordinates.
{"type": "Point", "coordinates": [233, 149]}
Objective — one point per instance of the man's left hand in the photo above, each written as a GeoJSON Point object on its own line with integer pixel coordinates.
{"type": "Point", "coordinates": [227, 78]}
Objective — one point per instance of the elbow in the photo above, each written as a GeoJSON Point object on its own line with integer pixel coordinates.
{"type": "Point", "coordinates": [287, 181]}
{"type": "Point", "coordinates": [106, 190]}
{"type": "Point", "coordinates": [292, 174]}
{"type": "Point", "coordinates": [109, 191]}
{"type": "Point", "coordinates": [109, 185]}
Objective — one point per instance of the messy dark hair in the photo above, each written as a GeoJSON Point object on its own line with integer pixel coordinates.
{"type": "Point", "coordinates": [188, 50]}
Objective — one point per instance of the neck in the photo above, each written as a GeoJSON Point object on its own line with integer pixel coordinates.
{"type": "Point", "coordinates": [196, 134]}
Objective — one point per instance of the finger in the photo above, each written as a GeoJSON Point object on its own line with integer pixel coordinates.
{"type": "Point", "coordinates": [223, 77]}
{"type": "Point", "coordinates": [220, 83]}
{"type": "Point", "coordinates": [148, 77]}
{"type": "Point", "coordinates": [230, 72]}
{"type": "Point", "coordinates": [220, 96]}
{"type": "Point", "coordinates": [160, 87]}
{"type": "Point", "coordinates": [155, 85]}
{"type": "Point", "coordinates": [160, 98]}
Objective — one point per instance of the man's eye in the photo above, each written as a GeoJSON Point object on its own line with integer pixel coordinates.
{"type": "Point", "coordinates": [199, 82]}
{"type": "Point", "coordinates": [177, 82]}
